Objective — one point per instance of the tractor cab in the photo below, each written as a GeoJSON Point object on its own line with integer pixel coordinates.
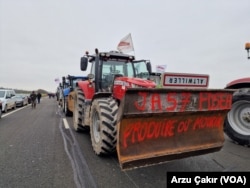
{"type": "Point", "coordinates": [106, 66]}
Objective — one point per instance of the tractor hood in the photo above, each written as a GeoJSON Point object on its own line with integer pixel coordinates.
{"type": "Point", "coordinates": [135, 82]}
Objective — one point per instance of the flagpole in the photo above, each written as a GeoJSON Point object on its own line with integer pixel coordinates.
{"type": "Point", "coordinates": [132, 44]}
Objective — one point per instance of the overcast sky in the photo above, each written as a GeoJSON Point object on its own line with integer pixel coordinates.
{"type": "Point", "coordinates": [41, 40]}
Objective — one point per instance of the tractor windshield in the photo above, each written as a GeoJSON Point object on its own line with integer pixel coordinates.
{"type": "Point", "coordinates": [110, 68]}
{"type": "Point", "coordinates": [128, 69]}
{"type": "Point", "coordinates": [140, 69]}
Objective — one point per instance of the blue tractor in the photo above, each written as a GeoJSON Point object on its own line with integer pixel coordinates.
{"type": "Point", "coordinates": [68, 86]}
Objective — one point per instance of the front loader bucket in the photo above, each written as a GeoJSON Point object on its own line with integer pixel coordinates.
{"type": "Point", "coordinates": [159, 125]}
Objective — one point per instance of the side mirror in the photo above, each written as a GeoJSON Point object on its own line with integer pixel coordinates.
{"type": "Point", "coordinates": [84, 63]}
{"type": "Point", "coordinates": [149, 68]}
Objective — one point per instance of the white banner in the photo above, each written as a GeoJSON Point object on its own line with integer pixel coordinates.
{"type": "Point", "coordinates": [160, 68]}
{"type": "Point", "coordinates": [57, 80]}
{"type": "Point", "coordinates": [126, 44]}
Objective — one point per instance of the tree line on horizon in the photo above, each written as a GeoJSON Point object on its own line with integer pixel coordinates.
{"type": "Point", "coordinates": [42, 91]}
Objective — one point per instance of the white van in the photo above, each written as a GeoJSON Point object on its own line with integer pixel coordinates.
{"type": "Point", "coordinates": [7, 99]}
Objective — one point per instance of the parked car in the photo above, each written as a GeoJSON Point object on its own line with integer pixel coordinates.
{"type": "Point", "coordinates": [28, 97]}
{"type": "Point", "coordinates": [21, 100]}
{"type": "Point", "coordinates": [7, 99]}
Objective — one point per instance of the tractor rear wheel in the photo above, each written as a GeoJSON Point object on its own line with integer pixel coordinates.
{"type": "Point", "coordinates": [67, 112]}
{"type": "Point", "coordinates": [78, 115]}
{"type": "Point", "coordinates": [237, 122]}
{"type": "Point", "coordinates": [103, 129]}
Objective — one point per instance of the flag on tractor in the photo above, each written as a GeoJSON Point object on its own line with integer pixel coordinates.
{"type": "Point", "coordinates": [126, 44]}
{"type": "Point", "coordinates": [57, 80]}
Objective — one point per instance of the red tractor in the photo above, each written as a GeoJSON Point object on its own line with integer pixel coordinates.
{"type": "Point", "coordinates": [237, 124]}
{"type": "Point", "coordinates": [126, 112]}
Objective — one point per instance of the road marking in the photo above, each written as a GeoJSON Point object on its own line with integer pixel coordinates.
{"type": "Point", "coordinates": [8, 113]}
{"type": "Point", "coordinates": [66, 125]}
{"type": "Point", "coordinates": [81, 172]}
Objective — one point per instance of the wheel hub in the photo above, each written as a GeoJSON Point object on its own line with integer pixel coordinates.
{"type": "Point", "coordinates": [97, 130]}
{"type": "Point", "coordinates": [239, 117]}
{"type": "Point", "coordinates": [246, 117]}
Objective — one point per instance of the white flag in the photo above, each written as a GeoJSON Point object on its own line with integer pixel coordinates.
{"type": "Point", "coordinates": [160, 68]}
{"type": "Point", "coordinates": [126, 44]}
{"type": "Point", "coordinates": [57, 80]}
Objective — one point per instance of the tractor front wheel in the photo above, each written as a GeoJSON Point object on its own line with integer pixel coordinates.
{"type": "Point", "coordinates": [103, 129]}
{"type": "Point", "coordinates": [237, 123]}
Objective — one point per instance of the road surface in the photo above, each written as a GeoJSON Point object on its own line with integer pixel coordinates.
{"type": "Point", "coordinates": [39, 148]}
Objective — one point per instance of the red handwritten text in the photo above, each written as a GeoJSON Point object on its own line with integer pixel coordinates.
{"type": "Point", "coordinates": [140, 131]}
{"type": "Point", "coordinates": [215, 101]}
{"type": "Point", "coordinates": [208, 122]}
{"type": "Point", "coordinates": [184, 101]}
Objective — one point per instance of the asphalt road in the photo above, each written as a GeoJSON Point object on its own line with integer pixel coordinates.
{"type": "Point", "coordinates": [39, 148]}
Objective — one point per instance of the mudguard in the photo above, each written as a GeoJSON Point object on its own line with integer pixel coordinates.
{"type": "Point", "coordinates": [159, 125]}
{"type": "Point", "coordinates": [70, 100]}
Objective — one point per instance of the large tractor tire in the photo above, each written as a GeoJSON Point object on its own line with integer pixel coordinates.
{"type": "Point", "coordinates": [103, 129]}
{"type": "Point", "coordinates": [237, 122]}
{"type": "Point", "coordinates": [78, 114]}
